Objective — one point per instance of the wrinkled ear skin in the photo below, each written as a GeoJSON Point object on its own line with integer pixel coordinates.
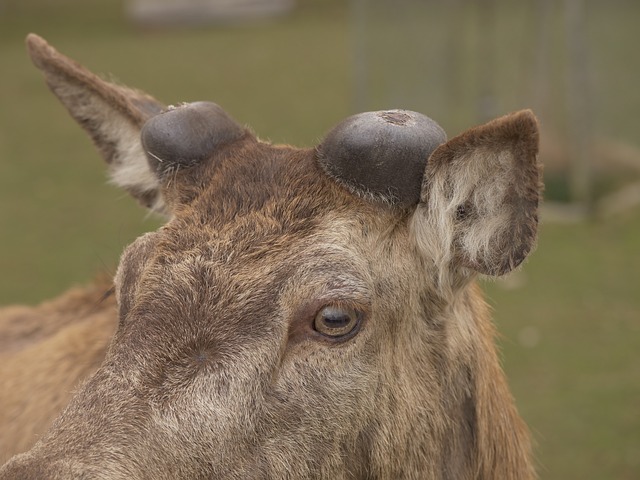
{"type": "Point", "coordinates": [498, 163]}
{"type": "Point", "coordinates": [185, 135]}
{"type": "Point", "coordinates": [381, 156]}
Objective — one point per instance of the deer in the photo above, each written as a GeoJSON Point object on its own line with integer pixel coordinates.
{"type": "Point", "coordinates": [304, 313]}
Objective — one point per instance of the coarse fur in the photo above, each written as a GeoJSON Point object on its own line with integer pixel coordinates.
{"type": "Point", "coordinates": [45, 353]}
{"type": "Point", "coordinates": [216, 368]}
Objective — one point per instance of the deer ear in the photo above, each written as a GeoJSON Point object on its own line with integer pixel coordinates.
{"type": "Point", "coordinates": [111, 114]}
{"type": "Point", "coordinates": [479, 198]}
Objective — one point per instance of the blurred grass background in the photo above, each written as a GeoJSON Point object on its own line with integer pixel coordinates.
{"type": "Point", "coordinates": [570, 319]}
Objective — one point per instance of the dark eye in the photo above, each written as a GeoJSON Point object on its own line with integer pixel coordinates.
{"type": "Point", "coordinates": [335, 321]}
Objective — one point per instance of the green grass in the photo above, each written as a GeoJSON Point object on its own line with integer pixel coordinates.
{"type": "Point", "coordinates": [570, 319]}
{"type": "Point", "coordinates": [571, 343]}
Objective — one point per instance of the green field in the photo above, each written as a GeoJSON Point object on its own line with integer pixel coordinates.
{"type": "Point", "coordinates": [570, 319]}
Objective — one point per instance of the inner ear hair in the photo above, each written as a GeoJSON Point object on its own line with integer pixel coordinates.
{"type": "Point", "coordinates": [480, 196]}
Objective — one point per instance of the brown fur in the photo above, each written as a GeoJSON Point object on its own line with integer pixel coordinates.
{"type": "Point", "coordinates": [215, 369]}
{"type": "Point", "coordinates": [46, 353]}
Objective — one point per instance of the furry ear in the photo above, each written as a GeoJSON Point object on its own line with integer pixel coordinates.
{"type": "Point", "coordinates": [111, 114]}
{"type": "Point", "coordinates": [479, 199]}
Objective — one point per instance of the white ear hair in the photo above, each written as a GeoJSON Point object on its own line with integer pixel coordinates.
{"type": "Point", "coordinates": [479, 202]}
{"type": "Point", "coordinates": [134, 175]}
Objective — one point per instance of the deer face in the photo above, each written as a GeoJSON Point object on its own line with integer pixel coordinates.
{"type": "Point", "coordinates": [303, 313]}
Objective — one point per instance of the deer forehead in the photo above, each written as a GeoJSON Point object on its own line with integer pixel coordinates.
{"type": "Point", "coordinates": [333, 255]}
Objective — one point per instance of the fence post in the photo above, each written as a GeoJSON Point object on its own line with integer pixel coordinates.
{"type": "Point", "coordinates": [579, 106]}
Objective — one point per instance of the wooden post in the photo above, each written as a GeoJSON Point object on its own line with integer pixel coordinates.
{"type": "Point", "coordinates": [359, 52]}
{"type": "Point", "coordinates": [579, 105]}
{"type": "Point", "coordinates": [453, 53]}
{"type": "Point", "coordinates": [542, 14]}
{"type": "Point", "coordinates": [486, 17]}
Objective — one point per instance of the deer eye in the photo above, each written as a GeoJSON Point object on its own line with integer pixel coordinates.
{"type": "Point", "coordinates": [337, 321]}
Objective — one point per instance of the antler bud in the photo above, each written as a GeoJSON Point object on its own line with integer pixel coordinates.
{"type": "Point", "coordinates": [381, 155]}
{"type": "Point", "coordinates": [187, 134]}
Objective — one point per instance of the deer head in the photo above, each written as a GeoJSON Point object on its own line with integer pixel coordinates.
{"type": "Point", "coordinates": [304, 313]}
